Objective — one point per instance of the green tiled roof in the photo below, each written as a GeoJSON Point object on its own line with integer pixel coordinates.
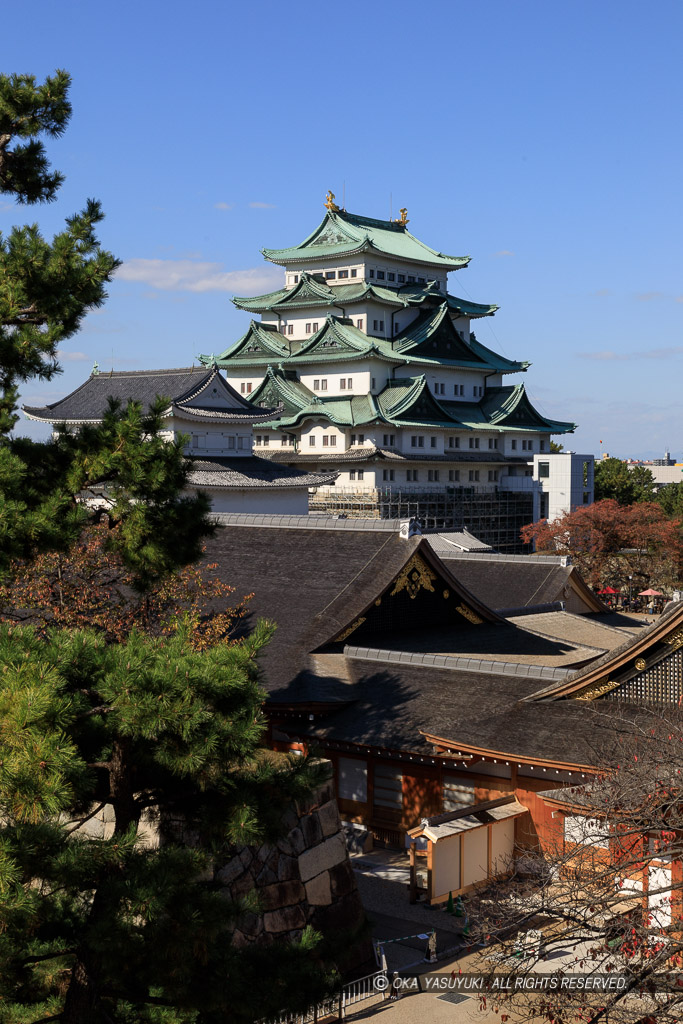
{"type": "Point", "coordinates": [312, 291]}
{"type": "Point", "coordinates": [341, 233]}
{"type": "Point", "coordinates": [262, 341]}
{"type": "Point", "coordinates": [403, 402]}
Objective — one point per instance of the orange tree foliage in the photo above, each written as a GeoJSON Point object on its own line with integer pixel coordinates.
{"type": "Point", "coordinates": [609, 543]}
{"type": "Point", "coordinates": [89, 587]}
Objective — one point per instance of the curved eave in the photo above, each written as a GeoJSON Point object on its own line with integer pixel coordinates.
{"type": "Point", "coordinates": [48, 416]}
{"type": "Point", "coordinates": [238, 419]}
{"type": "Point", "coordinates": [309, 255]}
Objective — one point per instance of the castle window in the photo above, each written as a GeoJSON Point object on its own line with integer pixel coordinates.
{"type": "Point", "coordinates": [266, 441]}
{"type": "Point", "coordinates": [493, 442]}
{"type": "Point", "coordinates": [453, 475]}
{"type": "Point", "coordinates": [231, 441]}
{"type": "Point", "coordinates": [308, 328]}
{"type": "Point", "coordinates": [474, 475]}
{"type": "Point", "coordinates": [373, 384]}
{"type": "Point", "coordinates": [411, 474]}
{"type": "Point", "coordinates": [513, 445]}
{"type": "Point", "coordinates": [380, 275]}
{"type": "Point", "coordinates": [330, 275]}
{"type": "Point", "coordinates": [432, 442]}
{"type": "Point", "coordinates": [453, 442]}
{"type": "Point", "coordinates": [333, 440]}
{"type": "Point", "coordinates": [371, 273]}
{"type": "Point", "coordinates": [360, 474]}
{"type": "Point", "coordinates": [354, 273]}
{"type": "Point", "coordinates": [389, 439]}
{"type": "Point", "coordinates": [352, 475]}
{"type": "Point", "coordinates": [359, 325]}
{"type": "Point", "coordinates": [296, 279]}
{"type": "Point", "coordinates": [433, 475]}
{"type": "Point", "coordinates": [411, 279]}
{"type": "Point", "coordinates": [243, 388]}
{"type": "Point", "coordinates": [343, 273]}
{"type": "Point", "coordinates": [387, 474]}
{"type": "Point", "coordinates": [257, 439]}
{"type": "Point", "coordinates": [391, 277]}
{"type": "Point", "coordinates": [543, 470]}
{"type": "Point", "coordinates": [311, 440]}
{"type": "Point", "coordinates": [326, 440]}
{"type": "Point", "coordinates": [342, 383]}
{"type": "Point", "coordinates": [315, 327]}
{"type": "Point", "coordinates": [421, 280]}
{"type": "Point", "coordinates": [493, 476]}
{"type": "Point", "coordinates": [401, 278]}
{"type": "Point", "coordinates": [541, 446]}
{"type": "Point", "coordinates": [474, 442]}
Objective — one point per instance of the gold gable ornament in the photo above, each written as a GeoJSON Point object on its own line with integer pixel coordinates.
{"type": "Point", "coordinates": [350, 630]}
{"type": "Point", "coordinates": [675, 640]}
{"type": "Point", "coordinates": [597, 690]}
{"type": "Point", "coordinates": [469, 614]}
{"type": "Point", "coordinates": [403, 219]}
{"type": "Point", "coordinates": [330, 204]}
{"type": "Point", "coordinates": [415, 575]}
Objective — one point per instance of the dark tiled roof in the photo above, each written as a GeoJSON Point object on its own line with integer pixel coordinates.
{"type": "Point", "coordinates": [187, 390]}
{"type": "Point", "coordinates": [512, 584]}
{"type": "Point", "coordinates": [394, 704]}
{"type": "Point", "coordinates": [250, 471]}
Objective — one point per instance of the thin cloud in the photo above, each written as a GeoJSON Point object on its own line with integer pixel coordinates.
{"type": "Point", "coordinates": [622, 357]}
{"type": "Point", "coordinates": [504, 252]}
{"type": "Point", "coordinates": [195, 276]}
{"type": "Point", "coordinates": [262, 206]}
{"type": "Point", "coordinates": [73, 357]}
{"type": "Point", "coordinates": [222, 206]}
{"type": "Point", "coordinates": [649, 296]}
{"type": "Point", "coordinates": [601, 293]}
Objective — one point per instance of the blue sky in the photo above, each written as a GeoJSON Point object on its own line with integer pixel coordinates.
{"type": "Point", "coordinates": [543, 138]}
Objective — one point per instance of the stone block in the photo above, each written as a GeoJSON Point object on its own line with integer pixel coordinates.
{"type": "Point", "coordinates": [318, 891]}
{"type": "Point", "coordinates": [284, 846]}
{"type": "Point", "coordinates": [242, 885]}
{"type": "Point", "coordinates": [296, 840]}
{"type": "Point", "coordinates": [328, 815]}
{"type": "Point", "coordinates": [266, 876]}
{"type": "Point", "coordinates": [287, 868]}
{"type": "Point", "coordinates": [310, 826]}
{"type": "Point", "coordinates": [285, 920]}
{"type": "Point", "coordinates": [232, 870]}
{"type": "Point", "coordinates": [342, 880]}
{"type": "Point", "coordinates": [246, 856]}
{"type": "Point", "coordinates": [282, 894]}
{"type": "Point", "coordinates": [322, 857]}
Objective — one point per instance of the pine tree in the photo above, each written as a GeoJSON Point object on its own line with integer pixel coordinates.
{"type": "Point", "coordinates": [159, 736]}
{"type": "Point", "coordinates": [166, 740]}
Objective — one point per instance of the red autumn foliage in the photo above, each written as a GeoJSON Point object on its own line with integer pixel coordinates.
{"type": "Point", "coordinates": [609, 543]}
{"type": "Point", "coordinates": [90, 588]}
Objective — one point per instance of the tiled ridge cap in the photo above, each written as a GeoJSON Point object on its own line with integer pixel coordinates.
{"type": "Point", "coordinates": [463, 664]}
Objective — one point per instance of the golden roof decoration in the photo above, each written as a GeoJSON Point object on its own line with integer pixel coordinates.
{"type": "Point", "coordinates": [330, 204]}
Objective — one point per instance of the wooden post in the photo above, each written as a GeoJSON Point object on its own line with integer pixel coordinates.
{"type": "Point", "coordinates": [462, 860]}
{"type": "Point", "coordinates": [413, 875]}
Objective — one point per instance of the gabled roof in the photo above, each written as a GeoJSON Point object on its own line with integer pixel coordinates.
{"type": "Point", "coordinates": [408, 400]}
{"type": "Point", "coordinates": [633, 671]}
{"type": "Point", "coordinates": [262, 341]}
{"type": "Point", "coordinates": [433, 336]}
{"type": "Point", "coordinates": [193, 393]}
{"type": "Point", "coordinates": [505, 409]}
{"type": "Point", "coordinates": [312, 291]}
{"type": "Point", "coordinates": [343, 234]}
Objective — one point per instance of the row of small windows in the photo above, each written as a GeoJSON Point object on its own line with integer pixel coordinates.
{"type": "Point", "coordinates": [458, 389]}
{"type": "Point", "coordinates": [223, 441]}
{"type": "Point", "coordinates": [418, 441]}
{"type": "Point", "coordinates": [434, 475]}
{"type": "Point", "coordinates": [377, 275]}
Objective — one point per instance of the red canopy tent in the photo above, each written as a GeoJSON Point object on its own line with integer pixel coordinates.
{"type": "Point", "coordinates": [650, 593]}
{"type": "Point", "coordinates": [608, 590]}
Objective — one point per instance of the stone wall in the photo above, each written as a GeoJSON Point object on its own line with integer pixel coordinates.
{"type": "Point", "coordinates": [305, 879]}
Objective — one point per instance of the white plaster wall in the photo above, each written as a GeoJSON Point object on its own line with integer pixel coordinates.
{"type": "Point", "coordinates": [446, 865]}
{"type": "Point", "coordinates": [475, 856]}
{"type": "Point", "coordinates": [280, 500]}
{"type": "Point", "coordinates": [502, 846]}
{"type": "Point", "coordinates": [238, 375]}
{"type": "Point", "coordinates": [317, 431]}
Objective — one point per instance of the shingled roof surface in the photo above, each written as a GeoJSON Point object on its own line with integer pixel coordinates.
{"type": "Point", "coordinates": [515, 584]}
{"type": "Point", "coordinates": [394, 706]}
{"type": "Point", "coordinates": [252, 472]}
{"type": "Point", "coordinates": [185, 387]}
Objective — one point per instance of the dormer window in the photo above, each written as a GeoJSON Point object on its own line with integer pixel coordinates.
{"type": "Point", "coordinates": [330, 275]}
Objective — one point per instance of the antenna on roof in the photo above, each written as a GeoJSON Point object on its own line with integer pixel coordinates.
{"type": "Point", "coordinates": [344, 196]}
{"type": "Point", "coordinates": [391, 206]}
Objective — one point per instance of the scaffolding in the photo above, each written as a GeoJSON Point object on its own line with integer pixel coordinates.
{"type": "Point", "coordinates": [494, 517]}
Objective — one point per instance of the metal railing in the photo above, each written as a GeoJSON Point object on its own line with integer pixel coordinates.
{"type": "Point", "coordinates": [336, 1006]}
